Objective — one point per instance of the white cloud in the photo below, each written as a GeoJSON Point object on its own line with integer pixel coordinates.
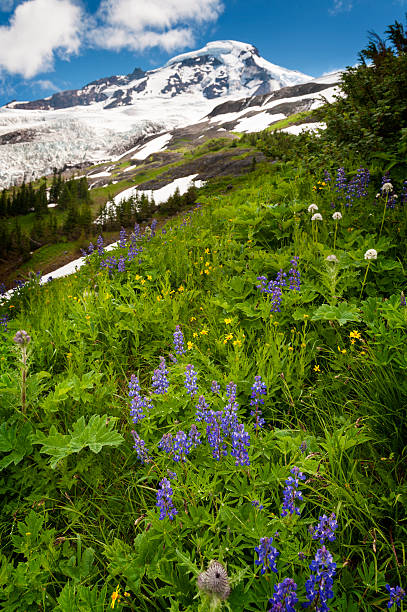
{"type": "Point", "coordinates": [341, 6]}
{"type": "Point", "coordinates": [45, 85]}
{"type": "Point", "coordinates": [38, 30]}
{"type": "Point", "coordinates": [142, 24]}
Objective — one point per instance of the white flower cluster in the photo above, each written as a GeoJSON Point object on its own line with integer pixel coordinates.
{"type": "Point", "coordinates": [312, 208]}
{"type": "Point", "coordinates": [316, 217]}
{"type": "Point", "coordinates": [387, 187]}
{"type": "Point", "coordinates": [332, 258]}
{"type": "Point", "coordinates": [371, 254]}
{"type": "Point", "coordinates": [337, 216]}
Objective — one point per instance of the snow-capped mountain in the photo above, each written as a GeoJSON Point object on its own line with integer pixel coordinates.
{"type": "Point", "coordinates": [108, 115]}
{"type": "Point", "coordinates": [221, 68]}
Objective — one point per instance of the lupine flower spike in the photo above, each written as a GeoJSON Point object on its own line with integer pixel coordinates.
{"type": "Point", "coordinates": [285, 596]}
{"type": "Point", "coordinates": [267, 555]}
{"type": "Point", "coordinates": [396, 595]}
{"type": "Point", "coordinates": [291, 494]}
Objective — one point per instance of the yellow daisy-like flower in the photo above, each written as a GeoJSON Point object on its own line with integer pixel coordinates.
{"type": "Point", "coordinates": [87, 317]}
{"type": "Point", "coordinates": [290, 348]}
{"type": "Point", "coordinates": [207, 271]}
{"type": "Point", "coordinates": [237, 343]}
{"type": "Point", "coordinates": [204, 332]}
{"type": "Point", "coordinates": [303, 345]}
{"type": "Point", "coordinates": [207, 251]}
{"type": "Point", "coordinates": [362, 352]}
{"type": "Point", "coordinates": [68, 355]}
{"type": "Point", "coordinates": [149, 277]}
{"type": "Point", "coordinates": [355, 334]}
{"type": "Point", "coordinates": [207, 263]}
{"type": "Point", "coordinates": [228, 321]}
{"type": "Point", "coordinates": [316, 368]}
{"type": "Point", "coordinates": [190, 345]}
{"type": "Point", "coordinates": [195, 335]}
{"type": "Point", "coordinates": [192, 319]}
{"type": "Point", "coordinates": [158, 298]}
{"type": "Point", "coordinates": [181, 288]}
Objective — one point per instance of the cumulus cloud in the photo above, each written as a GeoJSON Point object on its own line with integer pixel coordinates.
{"type": "Point", "coordinates": [37, 31]}
{"type": "Point", "coordinates": [141, 24]}
{"type": "Point", "coordinates": [341, 6]}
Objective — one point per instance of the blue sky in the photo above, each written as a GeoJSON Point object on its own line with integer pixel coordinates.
{"type": "Point", "coordinates": [52, 45]}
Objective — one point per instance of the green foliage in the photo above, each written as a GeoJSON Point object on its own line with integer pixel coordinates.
{"type": "Point", "coordinates": [96, 434]}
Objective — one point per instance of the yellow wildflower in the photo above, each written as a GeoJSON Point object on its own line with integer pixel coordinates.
{"type": "Point", "coordinates": [316, 368]}
{"type": "Point", "coordinates": [237, 343]}
{"type": "Point", "coordinates": [362, 352]}
{"type": "Point", "coordinates": [115, 596]}
{"type": "Point", "coordinates": [190, 345]}
{"type": "Point", "coordinates": [68, 355]}
{"type": "Point", "coordinates": [181, 288]}
{"type": "Point", "coordinates": [87, 317]}
{"type": "Point", "coordinates": [207, 251]}
{"type": "Point", "coordinates": [158, 298]}
{"type": "Point", "coordinates": [204, 332]}
{"type": "Point", "coordinates": [207, 271]}
{"type": "Point", "coordinates": [303, 345]}
{"type": "Point", "coordinates": [149, 277]}
{"type": "Point", "coordinates": [355, 334]}
{"type": "Point", "coordinates": [192, 319]}
{"type": "Point", "coordinates": [195, 335]}
{"type": "Point", "coordinates": [228, 321]}
{"type": "Point", "coordinates": [290, 348]}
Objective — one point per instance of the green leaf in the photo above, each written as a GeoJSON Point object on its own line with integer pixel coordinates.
{"type": "Point", "coordinates": [343, 313]}
{"type": "Point", "coordinates": [96, 434]}
{"type": "Point", "coordinates": [15, 442]}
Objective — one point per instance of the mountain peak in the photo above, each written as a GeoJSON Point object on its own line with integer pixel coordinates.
{"type": "Point", "coordinates": [215, 49]}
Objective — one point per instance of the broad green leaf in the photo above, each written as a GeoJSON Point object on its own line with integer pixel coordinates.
{"type": "Point", "coordinates": [14, 441]}
{"type": "Point", "coordinates": [343, 313]}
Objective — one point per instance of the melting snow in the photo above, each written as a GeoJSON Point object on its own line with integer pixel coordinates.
{"type": "Point", "coordinates": [154, 146]}
{"type": "Point", "coordinates": [304, 127]}
{"type": "Point", "coordinates": [258, 122]}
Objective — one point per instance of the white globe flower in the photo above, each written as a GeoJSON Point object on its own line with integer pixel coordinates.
{"type": "Point", "coordinates": [387, 187]}
{"type": "Point", "coordinates": [312, 208]}
{"type": "Point", "coordinates": [337, 216]}
{"type": "Point", "coordinates": [316, 217]}
{"type": "Point", "coordinates": [332, 258]}
{"type": "Point", "coordinates": [371, 254]}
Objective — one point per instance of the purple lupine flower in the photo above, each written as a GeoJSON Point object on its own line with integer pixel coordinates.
{"type": "Point", "coordinates": [231, 390]}
{"type": "Point", "coordinates": [91, 248]}
{"type": "Point", "coordinates": [172, 475]}
{"type": "Point", "coordinates": [396, 594]}
{"type": "Point", "coordinates": [259, 388]}
{"type": "Point", "coordinates": [160, 382]}
{"type": "Point", "coordinates": [166, 443]}
{"type": "Point", "coordinates": [215, 436]}
{"type": "Point", "coordinates": [3, 323]}
{"type": "Point", "coordinates": [402, 299]}
{"type": "Point", "coordinates": [182, 445]}
{"type": "Point", "coordinates": [140, 448]}
{"type": "Point", "coordinates": [325, 528]}
{"type": "Point", "coordinates": [122, 238]}
{"type": "Point", "coordinates": [340, 182]}
{"type": "Point", "coordinates": [273, 288]}
{"type": "Point", "coordinates": [202, 410]}
{"type": "Point", "coordinates": [240, 445]}
{"type": "Point", "coordinates": [319, 585]}
{"type": "Point", "coordinates": [137, 230]}
{"type": "Point", "coordinates": [291, 494]}
{"type": "Point", "coordinates": [285, 596]}
{"type": "Point", "coordinates": [257, 504]}
{"type": "Point", "coordinates": [190, 380]}
{"type": "Point", "coordinates": [403, 197]}
{"type": "Point", "coordinates": [179, 347]}
{"type": "Point", "coordinates": [294, 275]}
{"type": "Point", "coordinates": [121, 264]}
{"type": "Point", "coordinates": [164, 500]}
{"type": "Point", "coordinates": [138, 403]}
{"type": "Point", "coordinates": [153, 226]}
{"type": "Point", "coordinates": [267, 555]}
{"type": "Point", "coordinates": [215, 387]}
{"type": "Point", "coordinates": [327, 176]}
{"type": "Point", "coordinates": [99, 245]}
{"type": "Point", "coordinates": [229, 420]}
{"type": "Point", "coordinates": [194, 436]}
{"type": "Point", "coordinates": [303, 446]}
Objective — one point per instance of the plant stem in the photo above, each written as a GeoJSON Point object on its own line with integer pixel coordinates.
{"type": "Point", "coordinates": [364, 280]}
{"type": "Point", "coordinates": [384, 213]}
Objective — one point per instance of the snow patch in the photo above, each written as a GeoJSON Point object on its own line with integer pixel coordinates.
{"type": "Point", "coordinates": [258, 122]}
{"type": "Point", "coordinates": [154, 146]}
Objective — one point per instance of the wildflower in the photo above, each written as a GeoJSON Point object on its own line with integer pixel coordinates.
{"type": "Point", "coordinates": [122, 238]}
{"type": "Point", "coordinates": [371, 254]}
{"type": "Point", "coordinates": [204, 332]}
{"type": "Point", "coordinates": [22, 338]}
{"type": "Point", "coordinates": [228, 321]}
{"type": "Point", "coordinates": [140, 448]}
{"type": "Point", "coordinates": [402, 299]}
{"type": "Point", "coordinates": [285, 596]}
{"type": "Point", "coordinates": [290, 493]}
{"type": "Point", "coordinates": [138, 403]}
{"type": "Point", "coordinates": [214, 581]}
{"type": "Point", "coordinates": [387, 187]}
{"type": "Point", "coordinates": [237, 342]}
{"type": "Point", "coordinates": [115, 596]}
{"type": "Point", "coordinates": [267, 555]}
{"type": "Point", "coordinates": [317, 368]}
{"type": "Point", "coordinates": [164, 500]}
{"type": "Point", "coordinates": [325, 528]}
{"type": "Point", "coordinates": [99, 245]}
{"type": "Point", "coordinates": [337, 216]}
{"type": "Point", "coordinates": [202, 409]}
{"type": "Point", "coordinates": [179, 341]}
{"type": "Point", "coordinates": [355, 334]}
{"type": "Point", "coordinates": [396, 594]}
{"type": "Point", "coordinates": [215, 434]}
{"type": "Point", "coordinates": [257, 504]}
{"type": "Point", "coordinates": [332, 258]}
{"type": "Point", "coordinates": [160, 381]}
{"type": "Point", "coordinates": [192, 319]}
{"type": "Point", "coordinates": [181, 446]}
{"type": "Point", "coordinates": [303, 446]}
{"type": "Point", "coordinates": [259, 389]}
{"type": "Point", "coordinates": [215, 387]}
{"type": "Point", "coordinates": [240, 445]}
{"type": "Point", "coordinates": [190, 380]}
{"type": "Point", "coordinates": [195, 335]}
{"type": "Point", "coordinates": [181, 288]}
{"type": "Point", "coordinates": [312, 208]}
{"type": "Point", "coordinates": [294, 275]}
{"type": "Point", "coordinates": [190, 345]}
{"type": "Point", "coordinates": [316, 217]}
{"type": "Point", "coordinates": [319, 584]}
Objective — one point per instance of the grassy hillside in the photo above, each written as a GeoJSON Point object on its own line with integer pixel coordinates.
{"type": "Point", "coordinates": [88, 450]}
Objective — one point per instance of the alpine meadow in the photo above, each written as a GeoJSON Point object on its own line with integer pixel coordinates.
{"type": "Point", "coordinates": [211, 412]}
